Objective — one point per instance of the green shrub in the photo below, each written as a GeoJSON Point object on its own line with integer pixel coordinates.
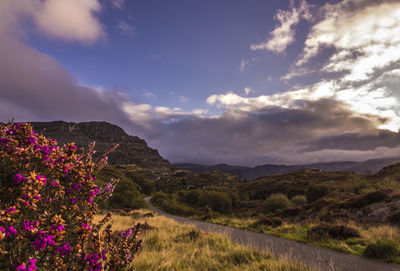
{"type": "Point", "coordinates": [270, 221]}
{"type": "Point", "coordinates": [275, 202]}
{"type": "Point", "coordinates": [382, 249]}
{"type": "Point", "coordinates": [315, 192]}
{"type": "Point", "coordinates": [126, 196]}
{"type": "Point", "coordinates": [326, 231]}
{"type": "Point", "coordinates": [217, 201]}
{"type": "Point", "coordinates": [298, 200]}
{"type": "Point", "coordinates": [145, 185]}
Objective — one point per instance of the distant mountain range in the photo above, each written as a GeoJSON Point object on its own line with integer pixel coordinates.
{"type": "Point", "coordinates": [368, 166]}
{"type": "Point", "coordinates": [131, 150]}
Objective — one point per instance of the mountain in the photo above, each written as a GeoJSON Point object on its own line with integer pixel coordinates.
{"type": "Point", "coordinates": [131, 150]}
{"type": "Point", "coordinates": [368, 166]}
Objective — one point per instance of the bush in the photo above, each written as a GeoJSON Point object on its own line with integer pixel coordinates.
{"type": "Point", "coordinates": [382, 249]}
{"type": "Point", "coordinates": [217, 201]}
{"type": "Point", "coordinates": [315, 192]}
{"type": "Point", "coordinates": [145, 185]}
{"type": "Point", "coordinates": [270, 221]}
{"type": "Point", "coordinates": [126, 196]}
{"type": "Point", "coordinates": [394, 218]}
{"type": "Point", "coordinates": [298, 200]}
{"type": "Point", "coordinates": [275, 202]}
{"type": "Point", "coordinates": [48, 200]}
{"type": "Point", "coordinates": [369, 199]}
{"type": "Point", "coordinates": [326, 231]}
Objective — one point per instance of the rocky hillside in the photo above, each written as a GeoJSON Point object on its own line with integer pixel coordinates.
{"type": "Point", "coordinates": [131, 150]}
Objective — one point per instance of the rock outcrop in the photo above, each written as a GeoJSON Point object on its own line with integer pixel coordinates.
{"type": "Point", "coordinates": [131, 150]}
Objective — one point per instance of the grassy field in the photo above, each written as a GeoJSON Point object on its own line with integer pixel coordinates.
{"type": "Point", "coordinates": [171, 246]}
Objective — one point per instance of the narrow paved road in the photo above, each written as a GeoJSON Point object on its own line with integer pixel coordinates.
{"type": "Point", "coordinates": [315, 257]}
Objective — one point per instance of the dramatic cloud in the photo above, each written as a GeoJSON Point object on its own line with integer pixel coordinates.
{"type": "Point", "coordinates": [277, 134]}
{"type": "Point", "coordinates": [284, 35]}
{"type": "Point", "coordinates": [358, 43]}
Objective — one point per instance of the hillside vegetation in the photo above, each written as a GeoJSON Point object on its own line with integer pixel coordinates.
{"type": "Point", "coordinates": [349, 212]}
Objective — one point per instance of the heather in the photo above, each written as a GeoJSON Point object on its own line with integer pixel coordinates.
{"type": "Point", "coordinates": [48, 199]}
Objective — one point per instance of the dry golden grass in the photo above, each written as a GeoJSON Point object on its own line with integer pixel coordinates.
{"type": "Point", "coordinates": [385, 232]}
{"type": "Point", "coordinates": [182, 247]}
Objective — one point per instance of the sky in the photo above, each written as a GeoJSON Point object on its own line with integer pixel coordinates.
{"type": "Point", "coordinates": [227, 81]}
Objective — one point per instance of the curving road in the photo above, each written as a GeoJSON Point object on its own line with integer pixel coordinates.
{"type": "Point", "coordinates": [314, 257]}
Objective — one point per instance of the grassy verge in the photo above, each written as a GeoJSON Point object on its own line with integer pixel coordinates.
{"type": "Point", "coordinates": [297, 232]}
{"type": "Point", "coordinates": [171, 246]}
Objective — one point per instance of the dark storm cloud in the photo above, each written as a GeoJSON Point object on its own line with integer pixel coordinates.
{"type": "Point", "coordinates": [34, 86]}
{"type": "Point", "coordinates": [270, 135]}
{"type": "Point", "coordinates": [357, 141]}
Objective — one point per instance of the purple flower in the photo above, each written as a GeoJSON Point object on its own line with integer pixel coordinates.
{"type": "Point", "coordinates": [30, 225]}
{"type": "Point", "coordinates": [21, 267]}
{"type": "Point", "coordinates": [43, 240]}
{"type": "Point", "coordinates": [11, 209]}
{"type": "Point", "coordinates": [4, 141]}
{"type": "Point", "coordinates": [58, 227]}
{"type": "Point", "coordinates": [37, 197]}
{"type": "Point", "coordinates": [126, 233]}
{"type": "Point", "coordinates": [32, 140]}
{"type": "Point", "coordinates": [18, 178]}
{"type": "Point", "coordinates": [103, 254]}
{"type": "Point", "coordinates": [93, 261]}
{"type": "Point", "coordinates": [77, 186]}
{"type": "Point", "coordinates": [64, 249]}
{"type": "Point", "coordinates": [31, 266]}
{"type": "Point", "coordinates": [74, 200]}
{"type": "Point", "coordinates": [54, 184]}
{"type": "Point", "coordinates": [41, 178]}
{"type": "Point", "coordinates": [86, 227]}
{"type": "Point", "coordinates": [12, 230]}
{"type": "Point", "coordinates": [94, 192]}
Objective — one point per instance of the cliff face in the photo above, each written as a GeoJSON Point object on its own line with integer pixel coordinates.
{"type": "Point", "coordinates": [131, 150]}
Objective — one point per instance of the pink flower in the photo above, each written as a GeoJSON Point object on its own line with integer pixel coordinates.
{"type": "Point", "coordinates": [43, 240]}
{"type": "Point", "coordinates": [11, 209]}
{"type": "Point", "coordinates": [18, 178]}
{"type": "Point", "coordinates": [32, 140]}
{"type": "Point", "coordinates": [64, 249]}
{"type": "Point", "coordinates": [41, 178]}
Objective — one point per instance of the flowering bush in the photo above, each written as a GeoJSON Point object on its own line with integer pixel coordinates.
{"type": "Point", "coordinates": [48, 197]}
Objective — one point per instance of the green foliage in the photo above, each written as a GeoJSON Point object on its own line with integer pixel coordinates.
{"type": "Point", "coordinates": [168, 203]}
{"type": "Point", "coordinates": [145, 185]}
{"type": "Point", "coordinates": [126, 197]}
{"type": "Point", "coordinates": [128, 191]}
{"type": "Point", "coordinates": [382, 249]}
{"type": "Point", "coordinates": [315, 192]}
{"type": "Point", "coordinates": [217, 201]}
{"type": "Point", "coordinates": [275, 202]}
{"type": "Point", "coordinates": [326, 231]}
{"type": "Point", "coordinates": [298, 200]}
